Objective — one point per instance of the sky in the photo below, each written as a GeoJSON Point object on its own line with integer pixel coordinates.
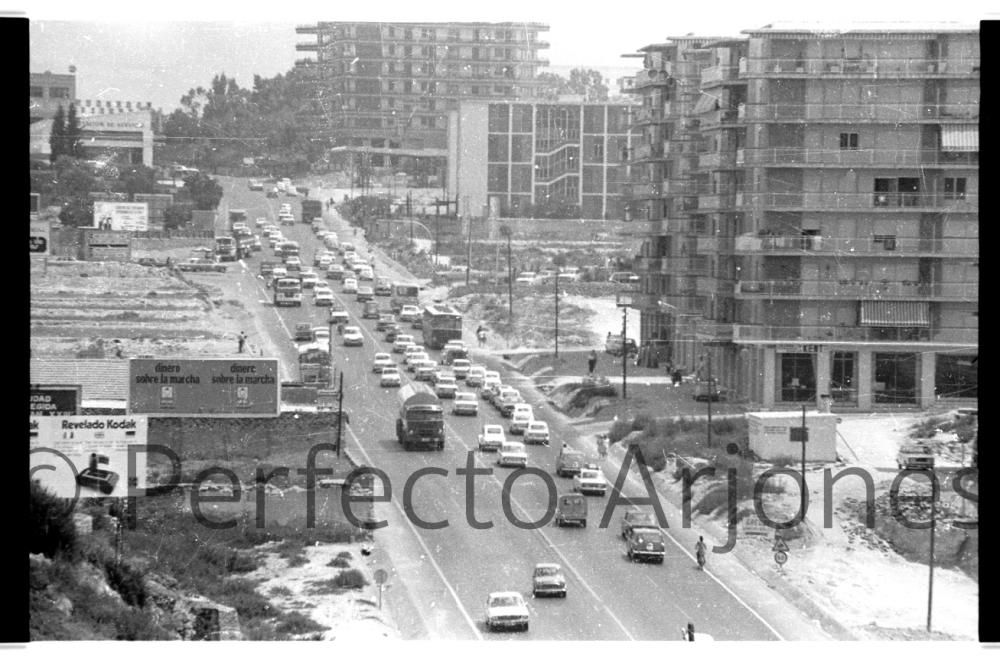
{"type": "Point", "coordinates": [138, 52]}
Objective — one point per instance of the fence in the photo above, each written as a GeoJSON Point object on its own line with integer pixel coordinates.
{"type": "Point", "coordinates": [174, 234]}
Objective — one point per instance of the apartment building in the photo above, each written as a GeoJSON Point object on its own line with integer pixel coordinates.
{"type": "Point", "coordinates": [547, 159]}
{"type": "Point", "coordinates": [388, 87]}
{"type": "Point", "coordinates": [831, 227]}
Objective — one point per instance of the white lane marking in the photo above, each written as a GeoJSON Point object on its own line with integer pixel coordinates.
{"type": "Point", "coordinates": [712, 575]}
{"type": "Point", "coordinates": [451, 590]}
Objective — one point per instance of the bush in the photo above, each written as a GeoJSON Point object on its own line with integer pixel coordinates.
{"type": "Point", "coordinates": [241, 563]}
{"type": "Point", "coordinates": [340, 563]}
{"type": "Point", "coordinates": [242, 595]}
{"type": "Point", "coordinates": [297, 560]}
{"type": "Point", "coordinates": [644, 422]}
{"type": "Point", "coordinates": [351, 579]}
{"type": "Point", "coordinates": [133, 624]}
{"type": "Point", "coordinates": [345, 554]}
{"type": "Point", "coordinates": [50, 521]}
{"type": "Point", "coordinates": [295, 623]}
{"type": "Point", "coordinates": [714, 500]}
{"type": "Point", "coordinates": [619, 430]}
{"type": "Point", "coordinates": [280, 590]}
{"type": "Point", "coordinates": [127, 581]}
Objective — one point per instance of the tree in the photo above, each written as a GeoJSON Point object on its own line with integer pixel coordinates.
{"type": "Point", "coordinates": [589, 83]}
{"type": "Point", "coordinates": [203, 190]}
{"type": "Point", "coordinates": [73, 179]}
{"type": "Point", "coordinates": [552, 86]}
{"type": "Point", "coordinates": [57, 137]}
{"type": "Point", "coordinates": [176, 216]}
{"type": "Point", "coordinates": [136, 179]}
{"type": "Point", "coordinates": [77, 212]}
{"type": "Point", "coordinates": [74, 147]}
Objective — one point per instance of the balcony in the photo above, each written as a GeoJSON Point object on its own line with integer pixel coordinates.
{"type": "Point", "coordinates": [651, 78]}
{"type": "Point", "coordinates": [696, 266]}
{"type": "Point", "coordinates": [683, 187]}
{"type": "Point", "coordinates": [772, 333]}
{"type": "Point", "coordinates": [862, 201]}
{"type": "Point", "coordinates": [955, 247]}
{"type": "Point", "coordinates": [716, 201]}
{"type": "Point", "coordinates": [644, 151]}
{"type": "Point", "coordinates": [711, 330]}
{"type": "Point", "coordinates": [718, 118]}
{"type": "Point", "coordinates": [648, 265]}
{"type": "Point", "coordinates": [647, 116]}
{"type": "Point", "coordinates": [786, 156]}
{"type": "Point", "coordinates": [717, 160]}
{"type": "Point", "coordinates": [312, 46]}
{"type": "Point", "coordinates": [848, 289]}
{"type": "Point", "coordinates": [644, 228]}
{"type": "Point", "coordinates": [647, 190]}
{"type": "Point", "coordinates": [718, 74]}
{"type": "Point", "coordinates": [861, 67]}
{"type": "Point", "coordinates": [875, 112]}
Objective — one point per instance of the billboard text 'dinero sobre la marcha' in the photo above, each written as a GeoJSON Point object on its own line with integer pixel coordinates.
{"type": "Point", "coordinates": [204, 387]}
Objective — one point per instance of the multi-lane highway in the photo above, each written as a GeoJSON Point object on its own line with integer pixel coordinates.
{"type": "Point", "coordinates": [441, 577]}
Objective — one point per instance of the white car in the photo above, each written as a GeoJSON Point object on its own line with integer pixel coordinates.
{"type": "Point", "coordinates": [506, 610]}
{"type": "Point", "coordinates": [260, 222]}
{"type": "Point", "coordinates": [461, 367]}
{"type": "Point", "coordinates": [309, 278]}
{"type": "Point", "coordinates": [424, 370]}
{"type": "Point", "coordinates": [414, 351]}
{"type": "Point", "coordinates": [590, 480]}
{"type": "Point", "coordinates": [446, 387]}
{"type": "Point", "coordinates": [526, 277]}
{"type": "Point", "coordinates": [366, 274]}
{"type": "Point", "coordinates": [409, 313]}
{"type": "Point", "coordinates": [353, 336]}
{"type": "Point", "coordinates": [474, 378]}
{"type": "Point", "coordinates": [323, 297]}
{"type": "Point", "coordinates": [350, 286]}
{"type": "Point", "coordinates": [520, 418]}
{"type": "Point", "coordinates": [465, 403]}
{"type": "Point", "coordinates": [512, 454]}
{"type": "Point", "coordinates": [402, 342]}
{"type": "Point", "coordinates": [323, 262]}
{"type": "Point", "coordinates": [382, 361]}
{"type": "Point", "coordinates": [537, 432]}
{"type": "Point", "coordinates": [492, 438]}
{"type": "Point", "coordinates": [322, 335]}
{"type": "Point", "coordinates": [389, 377]}
{"type": "Point", "coordinates": [293, 260]}
{"type": "Point", "coordinates": [279, 273]}
{"type": "Point", "coordinates": [490, 382]}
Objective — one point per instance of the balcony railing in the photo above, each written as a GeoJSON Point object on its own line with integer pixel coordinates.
{"type": "Point", "coordinates": [813, 200]}
{"type": "Point", "coordinates": [862, 66]}
{"type": "Point", "coordinates": [720, 160]}
{"type": "Point", "coordinates": [860, 246]}
{"type": "Point", "coordinates": [880, 112]}
{"type": "Point", "coordinates": [887, 158]}
{"type": "Point", "coordinates": [719, 117]}
{"type": "Point", "coordinates": [742, 332]}
{"type": "Point", "coordinates": [647, 151]}
{"type": "Point", "coordinates": [711, 329]}
{"type": "Point", "coordinates": [858, 289]}
{"type": "Point", "coordinates": [647, 190]}
{"type": "Point", "coordinates": [647, 265]}
{"type": "Point", "coordinates": [647, 115]}
{"type": "Point", "coordinates": [651, 77]}
{"type": "Point", "coordinates": [718, 73]}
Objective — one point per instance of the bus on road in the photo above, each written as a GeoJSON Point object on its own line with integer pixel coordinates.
{"type": "Point", "coordinates": [288, 292]}
{"type": "Point", "coordinates": [402, 294]}
{"type": "Point", "coordinates": [225, 249]}
{"type": "Point", "coordinates": [441, 324]}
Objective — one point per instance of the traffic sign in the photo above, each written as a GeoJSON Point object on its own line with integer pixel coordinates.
{"type": "Point", "coordinates": [781, 557]}
{"type": "Point", "coordinates": [780, 545]}
{"type": "Point", "coordinates": [381, 576]}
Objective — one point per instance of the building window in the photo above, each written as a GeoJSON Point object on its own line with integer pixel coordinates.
{"type": "Point", "coordinates": [954, 188]}
{"type": "Point", "coordinates": [956, 376]}
{"type": "Point", "coordinates": [36, 91]}
{"type": "Point", "coordinates": [842, 377]}
{"type": "Point", "coordinates": [497, 148]}
{"type": "Point", "coordinates": [896, 377]}
{"type": "Point", "coordinates": [392, 51]}
{"type": "Point", "coordinates": [798, 377]}
{"type": "Point", "coordinates": [848, 141]}
{"type": "Point", "coordinates": [59, 93]}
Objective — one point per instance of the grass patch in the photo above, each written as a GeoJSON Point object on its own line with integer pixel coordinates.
{"type": "Point", "coordinates": [280, 590]}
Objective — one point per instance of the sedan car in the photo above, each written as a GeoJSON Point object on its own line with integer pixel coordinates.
{"type": "Point", "coordinates": [537, 432]}
{"type": "Point", "coordinates": [548, 580]}
{"type": "Point", "coordinates": [634, 518]}
{"type": "Point", "coordinates": [402, 342]}
{"type": "Point", "coordinates": [424, 370]}
{"type": "Point", "coordinates": [512, 454]}
{"type": "Point", "coordinates": [350, 286]}
{"type": "Point", "coordinates": [309, 278]}
{"type": "Point", "coordinates": [492, 438]}
{"type": "Point", "coordinates": [474, 378]}
{"type": "Point", "coordinates": [279, 272]}
{"type": "Point", "coordinates": [412, 350]}
{"type": "Point", "coordinates": [389, 377]}
{"type": "Point", "coordinates": [505, 400]}
{"type": "Point", "coordinates": [465, 403]}
{"type": "Point", "coordinates": [335, 272]}
{"type": "Point", "coordinates": [365, 293]}
{"type": "Point", "coordinates": [384, 320]}
{"type": "Point", "coordinates": [590, 481]}
{"type": "Point", "coordinates": [391, 332]}
{"type": "Point", "coordinates": [383, 288]}
{"type": "Point", "coordinates": [520, 418]}
{"type": "Point", "coordinates": [445, 386]}
{"type": "Point", "coordinates": [409, 313]}
{"type": "Point", "coordinates": [353, 336]}
{"type": "Point", "coordinates": [382, 361]}
{"type": "Point", "coordinates": [323, 297]}
{"type": "Point", "coordinates": [461, 368]}
{"type": "Point", "coordinates": [506, 610]}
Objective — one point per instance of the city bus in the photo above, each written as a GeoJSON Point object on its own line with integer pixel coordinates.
{"type": "Point", "coordinates": [225, 249]}
{"type": "Point", "coordinates": [441, 324]}
{"type": "Point", "coordinates": [288, 292]}
{"type": "Point", "coordinates": [402, 294]}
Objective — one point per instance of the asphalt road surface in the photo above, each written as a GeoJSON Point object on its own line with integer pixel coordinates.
{"type": "Point", "coordinates": [441, 577]}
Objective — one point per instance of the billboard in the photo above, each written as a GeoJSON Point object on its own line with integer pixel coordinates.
{"type": "Point", "coordinates": [204, 387]}
{"type": "Point", "coordinates": [38, 238]}
{"type": "Point", "coordinates": [121, 216]}
{"type": "Point", "coordinates": [87, 456]}
{"type": "Point", "coordinates": [107, 245]}
{"type": "Point", "coordinates": [54, 400]}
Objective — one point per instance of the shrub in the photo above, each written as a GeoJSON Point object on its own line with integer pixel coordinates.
{"type": "Point", "coordinates": [619, 430]}
{"type": "Point", "coordinates": [351, 578]}
{"type": "Point", "coordinates": [644, 422]}
{"type": "Point", "coordinates": [242, 595]}
{"type": "Point", "coordinates": [714, 500]}
{"type": "Point", "coordinates": [297, 560]}
{"type": "Point", "coordinates": [133, 624]}
{"type": "Point", "coordinates": [280, 590]}
{"type": "Point", "coordinates": [127, 581]}
{"type": "Point", "coordinates": [345, 554]}
{"type": "Point", "coordinates": [340, 562]}
{"type": "Point", "coordinates": [295, 623]}
{"type": "Point", "coordinates": [241, 563]}
{"type": "Point", "coordinates": [50, 520]}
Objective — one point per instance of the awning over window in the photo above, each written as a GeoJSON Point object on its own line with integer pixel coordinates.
{"type": "Point", "coordinates": [895, 314]}
{"type": "Point", "coordinates": [960, 138]}
{"type": "Point", "coordinates": [705, 103]}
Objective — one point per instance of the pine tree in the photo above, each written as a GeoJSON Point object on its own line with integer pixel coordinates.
{"type": "Point", "coordinates": [73, 134]}
{"type": "Point", "coordinates": [57, 138]}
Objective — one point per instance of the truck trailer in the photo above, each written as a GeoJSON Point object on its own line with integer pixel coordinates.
{"type": "Point", "coordinates": [311, 209]}
{"type": "Point", "coordinates": [420, 424]}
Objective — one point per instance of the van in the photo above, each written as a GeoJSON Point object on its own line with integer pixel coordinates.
{"type": "Point", "coordinates": [571, 508]}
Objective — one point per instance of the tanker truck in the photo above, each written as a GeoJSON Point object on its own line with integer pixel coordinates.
{"type": "Point", "coordinates": [420, 424]}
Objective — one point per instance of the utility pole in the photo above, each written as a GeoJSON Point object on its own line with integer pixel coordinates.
{"type": "Point", "coordinates": [708, 357]}
{"type": "Point", "coordinates": [930, 562]}
{"type": "Point", "coordinates": [624, 350]}
{"type": "Point", "coordinates": [468, 254]}
{"type": "Point", "coordinates": [557, 313]}
{"type": "Point", "coordinates": [805, 436]}
{"type": "Point", "coordinates": [340, 413]}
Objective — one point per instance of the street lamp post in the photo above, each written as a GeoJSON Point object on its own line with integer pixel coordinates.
{"type": "Point", "coordinates": [505, 231]}
{"type": "Point", "coordinates": [557, 313]}
{"type": "Point", "coordinates": [624, 300]}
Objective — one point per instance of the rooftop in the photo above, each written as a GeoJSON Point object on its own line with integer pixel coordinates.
{"type": "Point", "coordinates": [828, 29]}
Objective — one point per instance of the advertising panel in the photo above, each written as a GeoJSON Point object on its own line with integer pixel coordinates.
{"type": "Point", "coordinates": [54, 400]}
{"type": "Point", "coordinates": [38, 238]}
{"type": "Point", "coordinates": [204, 387]}
{"type": "Point", "coordinates": [87, 456]}
{"type": "Point", "coordinates": [121, 216]}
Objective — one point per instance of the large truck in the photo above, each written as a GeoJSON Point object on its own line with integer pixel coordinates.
{"type": "Point", "coordinates": [311, 209]}
{"type": "Point", "coordinates": [420, 424]}
{"type": "Point", "coordinates": [238, 216]}
{"type": "Point", "coordinates": [225, 249]}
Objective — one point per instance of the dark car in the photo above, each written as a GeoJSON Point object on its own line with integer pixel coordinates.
{"type": "Point", "coordinates": [645, 544]}
{"type": "Point", "coordinates": [392, 331]}
{"type": "Point", "coordinates": [384, 320]}
{"type": "Point", "coordinates": [365, 294]}
{"type": "Point", "coordinates": [304, 332]}
{"type": "Point", "coordinates": [634, 519]}
{"type": "Point", "coordinates": [383, 288]}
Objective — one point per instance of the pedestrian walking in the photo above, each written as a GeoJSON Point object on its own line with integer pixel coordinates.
{"type": "Point", "coordinates": [241, 341]}
{"type": "Point", "coordinates": [591, 362]}
{"type": "Point", "coordinates": [676, 377]}
{"type": "Point", "coordinates": [602, 446]}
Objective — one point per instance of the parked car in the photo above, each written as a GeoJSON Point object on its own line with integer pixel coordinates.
{"type": "Point", "coordinates": [492, 438]}
{"type": "Point", "coordinates": [389, 377]}
{"type": "Point", "coordinates": [465, 403]}
{"type": "Point", "coordinates": [353, 336]}
{"type": "Point", "coordinates": [590, 481]}
{"type": "Point", "coordinates": [537, 432]}
{"type": "Point", "coordinates": [548, 580]}
{"type": "Point", "coordinates": [613, 346]}
{"type": "Point", "coordinates": [506, 610]}
{"type": "Point", "coordinates": [520, 417]}
{"type": "Point", "coordinates": [512, 454]}
{"type": "Point", "coordinates": [915, 457]}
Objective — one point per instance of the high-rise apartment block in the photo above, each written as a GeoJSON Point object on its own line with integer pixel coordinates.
{"type": "Point", "coordinates": [808, 205]}
{"type": "Point", "coordinates": [388, 87]}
